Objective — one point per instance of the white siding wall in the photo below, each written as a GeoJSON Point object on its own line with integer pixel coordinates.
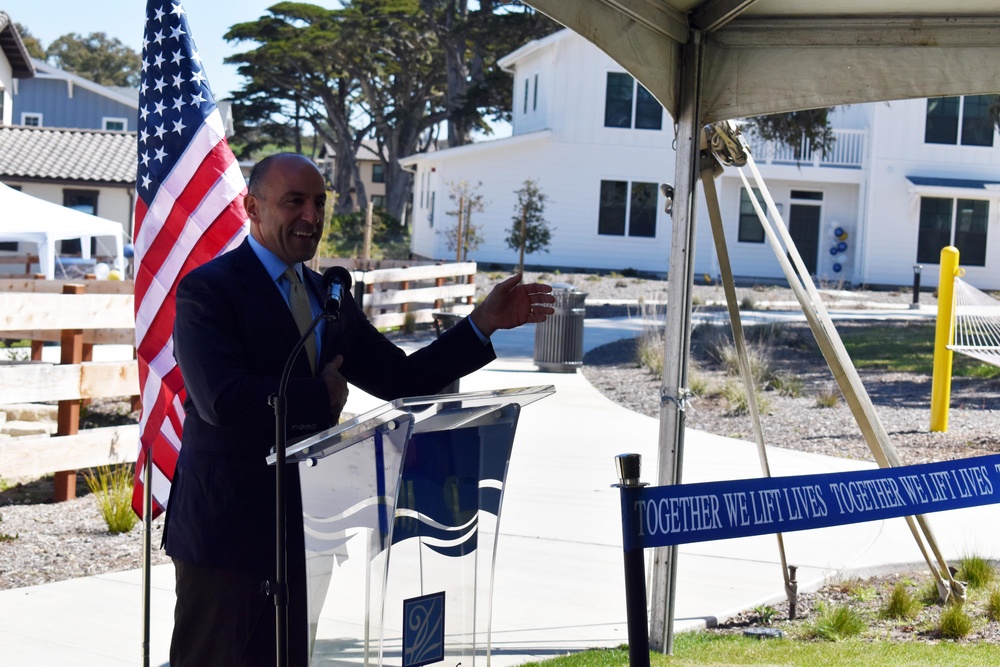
{"type": "Point", "coordinates": [893, 211]}
{"type": "Point", "coordinates": [570, 179]}
{"type": "Point", "coordinates": [7, 90]}
{"type": "Point", "coordinates": [839, 208]}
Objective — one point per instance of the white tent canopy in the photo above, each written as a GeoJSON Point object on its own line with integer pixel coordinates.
{"type": "Point", "coordinates": [24, 218]}
{"type": "Point", "coordinates": [713, 60]}
{"type": "Point", "coordinates": [769, 56]}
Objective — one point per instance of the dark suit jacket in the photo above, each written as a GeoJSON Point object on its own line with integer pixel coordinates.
{"type": "Point", "coordinates": [232, 336]}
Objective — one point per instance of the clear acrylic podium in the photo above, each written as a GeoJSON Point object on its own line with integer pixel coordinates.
{"type": "Point", "coordinates": [401, 508]}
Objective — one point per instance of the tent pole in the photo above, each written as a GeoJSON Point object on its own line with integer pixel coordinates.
{"type": "Point", "coordinates": [678, 327]}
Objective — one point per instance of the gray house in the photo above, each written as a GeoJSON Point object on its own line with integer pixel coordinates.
{"type": "Point", "coordinates": [54, 98]}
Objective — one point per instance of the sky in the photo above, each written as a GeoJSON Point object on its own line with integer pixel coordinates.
{"type": "Point", "coordinates": [209, 20]}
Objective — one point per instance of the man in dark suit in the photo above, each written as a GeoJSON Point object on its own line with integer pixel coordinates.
{"type": "Point", "coordinates": [234, 331]}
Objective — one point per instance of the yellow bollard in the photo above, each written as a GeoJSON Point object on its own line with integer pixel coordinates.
{"type": "Point", "coordinates": [944, 333]}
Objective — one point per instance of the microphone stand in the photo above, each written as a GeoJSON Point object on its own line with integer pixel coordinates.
{"type": "Point", "coordinates": [279, 402]}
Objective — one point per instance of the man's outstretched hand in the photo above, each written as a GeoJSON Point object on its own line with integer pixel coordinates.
{"type": "Point", "coordinates": [511, 304]}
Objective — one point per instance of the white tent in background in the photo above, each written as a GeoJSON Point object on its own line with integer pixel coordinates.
{"type": "Point", "coordinates": [27, 219]}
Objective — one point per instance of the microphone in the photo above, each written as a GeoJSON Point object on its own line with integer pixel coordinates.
{"type": "Point", "coordinates": [336, 284]}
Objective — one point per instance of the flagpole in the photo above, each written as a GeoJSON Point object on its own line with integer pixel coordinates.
{"type": "Point", "coordinates": [147, 526]}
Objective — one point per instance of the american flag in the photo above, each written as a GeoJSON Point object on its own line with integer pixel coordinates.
{"type": "Point", "coordinates": [188, 210]}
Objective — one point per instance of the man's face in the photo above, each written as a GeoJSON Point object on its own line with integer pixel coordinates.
{"type": "Point", "coordinates": [286, 214]}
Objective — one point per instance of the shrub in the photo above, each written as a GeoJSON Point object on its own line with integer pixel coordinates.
{"type": "Point", "coordinates": [836, 623]}
{"type": "Point", "coordinates": [698, 383]}
{"type": "Point", "coordinates": [993, 604]}
{"type": "Point", "coordinates": [975, 571]}
{"type": "Point", "coordinates": [112, 489]}
{"type": "Point", "coordinates": [954, 622]}
{"type": "Point", "coordinates": [901, 604]}
{"type": "Point", "coordinates": [736, 399]}
{"type": "Point", "coordinates": [828, 397]}
{"type": "Point", "coordinates": [765, 613]}
{"type": "Point", "coordinates": [6, 537]}
{"type": "Point", "coordinates": [786, 385]}
{"type": "Point", "coordinates": [409, 323]}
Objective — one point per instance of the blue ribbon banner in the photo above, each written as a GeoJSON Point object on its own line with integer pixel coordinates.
{"type": "Point", "coordinates": [665, 515]}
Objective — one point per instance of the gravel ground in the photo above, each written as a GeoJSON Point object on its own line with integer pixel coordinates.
{"type": "Point", "coordinates": [42, 542]}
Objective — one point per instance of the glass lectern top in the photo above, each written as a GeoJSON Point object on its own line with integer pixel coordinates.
{"type": "Point", "coordinates": [454, 409]}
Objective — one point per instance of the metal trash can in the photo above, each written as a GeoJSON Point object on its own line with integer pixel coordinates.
{"type": "Point", "coordinates": [559, 339]}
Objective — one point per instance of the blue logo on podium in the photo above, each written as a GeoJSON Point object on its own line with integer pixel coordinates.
{"type": "Point", "coordinates": [423, 630]}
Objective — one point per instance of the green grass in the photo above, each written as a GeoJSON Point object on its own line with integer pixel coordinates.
{"type": "Point", "coordinates": [907, 349]}
{"type": "Point", "coordinates": [698, 648]}
{"type": "Point", "coordinates": [975, 571]}
{"type": "Point", "coordinates": [112, 489]}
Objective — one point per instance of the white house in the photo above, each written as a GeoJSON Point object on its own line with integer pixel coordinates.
{"type": "Point", "coordinates": [902, 180]}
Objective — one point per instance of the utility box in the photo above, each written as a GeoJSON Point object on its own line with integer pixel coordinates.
{"type": "Point", "coordinates": [559, 339]}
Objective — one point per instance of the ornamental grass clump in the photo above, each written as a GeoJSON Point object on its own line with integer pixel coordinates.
{"type": "Point", "coordinates": [835, 623]}
{"type": "Point", "coordinates": [975, 571]}
{"type": "Point", "coordinates": [954, 622]}
{"type": "Point", "coordinates": [901, 604]}
{"type": "Point", "coordinates": [112, 490]}
{"type": "Point", "coordinates": [993, 604]}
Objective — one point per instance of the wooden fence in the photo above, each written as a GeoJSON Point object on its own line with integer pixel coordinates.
{"type": "Point", "coordinates": [81, 314]}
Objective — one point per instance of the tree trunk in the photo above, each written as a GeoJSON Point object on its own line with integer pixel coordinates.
{"type": "Point", "coordinates": [524, 238]}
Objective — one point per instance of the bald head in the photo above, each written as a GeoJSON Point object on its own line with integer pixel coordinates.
{"type": "Point", "coordinates": [261, 171]}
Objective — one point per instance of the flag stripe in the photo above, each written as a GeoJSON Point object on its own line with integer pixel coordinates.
{"type": "Point", "coordinates": [189, 210]}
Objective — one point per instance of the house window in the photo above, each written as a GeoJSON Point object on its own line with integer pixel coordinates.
{"type": "Point", "coordinates": [534, 97]}
{"type": "Point", "coordinates": [78, 200]}
{"type": "Point", "coordinates": [620, 203]}
{"type": "Point", "coordinates": [526, 82]}
{"type": "Point", "coordinates": [628, 104]}
{"type": "Point", "coordinates": [959, 120]}
{"type": "Point", "coordinates": [378, 201]}
{"type": "Point", "coordinates": [378, 172]}
{"type": "Point", "coordinates": [115, 124]}
{"type": "Point", "coordinates": [957, 222]}
{"type": "Point", "coordinates": [31, 119]}
{"type": "Point", "coordinates": [750, 231]}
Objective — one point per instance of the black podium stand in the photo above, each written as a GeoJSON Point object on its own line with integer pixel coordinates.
{"type": "Point", "coordinates": [421, 480]}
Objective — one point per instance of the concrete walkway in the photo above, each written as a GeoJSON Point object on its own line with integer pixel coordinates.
{"type": "Point", "coordinates": [559, 579]}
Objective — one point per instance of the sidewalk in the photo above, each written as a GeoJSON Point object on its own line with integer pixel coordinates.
{"type": "Point", "coordinates": [559, 579]}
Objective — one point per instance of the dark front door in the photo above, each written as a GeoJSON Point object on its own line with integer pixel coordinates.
{"type": "Point", "coordinates": [803, 226]}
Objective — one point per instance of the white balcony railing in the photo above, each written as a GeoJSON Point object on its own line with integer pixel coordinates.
{"type": "Point", "coordinates": [847, 151]}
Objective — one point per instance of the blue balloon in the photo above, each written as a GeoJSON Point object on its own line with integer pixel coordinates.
{"type": "Point", "coordinates": [128, 250]}
{"type": "Point", "coordinates": [842, 247]}
{"type": "Point", "coordinates": [838, 232]}
{"type": "Point", "coordinates": [837, 268]}
{"type": "Point", "coordinates": [833, 250]}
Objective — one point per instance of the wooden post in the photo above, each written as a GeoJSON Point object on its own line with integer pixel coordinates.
{"type": "Point", "coordinates": [366, 252]}
{"type": "Point", "coordinates": [458, 230]}
{"type": "Point", "coordinates": [438, 282]}
{"type": "Point", "coordinates": [71, 352]}
{"type": "Point", "coordinates": [470, 280]}
{"type": "Point", "coordinates": [404, 307]}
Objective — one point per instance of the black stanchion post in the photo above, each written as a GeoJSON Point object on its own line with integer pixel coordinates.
{"type": "Point", "coordinates": [628, 466]}
{"type": "Point", "coordinates": [917, 268]}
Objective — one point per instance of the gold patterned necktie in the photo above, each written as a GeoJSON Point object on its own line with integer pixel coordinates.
{"type": "Point", "coordinates": [298, 301]}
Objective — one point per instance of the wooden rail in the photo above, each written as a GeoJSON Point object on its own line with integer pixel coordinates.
{"type": "Point", "coordinates": [37, 310]}
{"type": "Point", "coordinates": [392, 296]}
